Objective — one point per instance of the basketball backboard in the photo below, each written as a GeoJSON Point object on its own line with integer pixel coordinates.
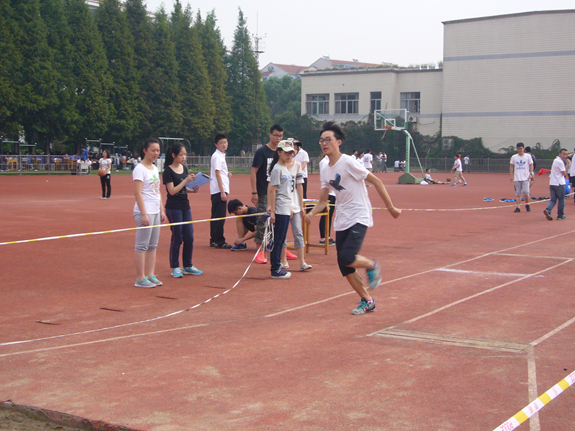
{"type": "Point", "coordinates": [390, 119]}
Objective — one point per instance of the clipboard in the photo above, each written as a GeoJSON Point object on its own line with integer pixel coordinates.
{"type": "Point", "coordinates": [200, 180]}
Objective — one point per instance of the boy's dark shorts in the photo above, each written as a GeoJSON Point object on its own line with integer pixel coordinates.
{"type": "Point", "coordinates": [348, 243]}
{"type": "Point", "coordinates": [250, 223]}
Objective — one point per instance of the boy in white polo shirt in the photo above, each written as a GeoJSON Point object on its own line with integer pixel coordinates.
{"type": "Point", "coordinates": [219, 190]}
{"type": "Point", "coordinates": [346, 176]}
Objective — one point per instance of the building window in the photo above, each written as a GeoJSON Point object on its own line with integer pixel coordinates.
{"type": "Point", "coordinates": [346, 103]}
{"type": "Point", "coordinates": [410, 101]}
{"type": "Point", "coordinates": [317, 104]}
{"type": "Point", "coordinates": [375, 97]}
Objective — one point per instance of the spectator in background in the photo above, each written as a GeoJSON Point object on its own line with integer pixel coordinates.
{"type": "Point", "coordinates": [303, 158]}
{"type": "Point", "coordinates": [528, 151]}
{"type": "Point", "coordinates": [466, 164]}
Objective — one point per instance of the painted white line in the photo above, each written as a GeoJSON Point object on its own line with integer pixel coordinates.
{"type": "Point", "coordinates": [534, 424]}
{"type": "Point", "coordinates": [461, 271]}
{"type": "Point", "coordinates": [529, 256]}
{"type": "Point", "coordinates": [555, 331]}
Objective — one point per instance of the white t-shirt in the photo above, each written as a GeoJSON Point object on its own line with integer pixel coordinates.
{"type": "Point", "coordinates": [297, 178]}
{"type": "Point", "coordinates": [457, 165]}
{"type": "Point", "coordinates": [219, 164]}
{"type": "Point", "coordinates": [302, 156]}
{"type": "Point", "coordinates": [324, 161]}
{"type": "Point", "coordinates": [352, 204]}
{"type": "Point", "coordinates": [150, 179]}
{"type": "Point", "coordinates": [556, 178]}
{"type": "Point", "coordinates": [521, 166]}
{"type": "Point", "coordinates": [572, 167]}
{"type": "Point", "coordinates": [367, 159]}
{"type": "Point", "coordinates": [106, 164]}
{"type": "Point", "coordinates": [281, 177]}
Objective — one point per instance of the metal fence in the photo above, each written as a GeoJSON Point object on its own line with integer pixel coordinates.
{"type": "Point", "coordinates": [238, 164]}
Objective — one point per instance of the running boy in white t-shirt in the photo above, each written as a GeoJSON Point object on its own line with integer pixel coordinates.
{"type": "Point", "coordinates": [457, 171]}
{"type": "Point", "coordinates": [353, 212]}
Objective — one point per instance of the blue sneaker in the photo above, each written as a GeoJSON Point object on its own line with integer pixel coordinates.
{"type": "Point", "coordinates": [364, 306]}
{"type": "Point", "coordinates": [240, 247]}
{"type": "Point", "coordinates": [145, 283]}
{"type": "Point", "coordinates": [154, 279]}
{"type": "Point", "coordinates": [373, 276]}
{"type": "Point", "coordinates": [177, 273]}
{"type": "Point", "coordinates": [192, 271]}
{"type": "Point", "coordinates": [281, 273]}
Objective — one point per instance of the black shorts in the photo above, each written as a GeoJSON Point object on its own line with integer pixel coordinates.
{"type": "Point", "coordinates": [250, 223]}
{"type": "Point", "coordinates": [348, 243]}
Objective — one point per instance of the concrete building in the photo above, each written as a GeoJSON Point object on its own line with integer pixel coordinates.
{"type": "Point", "coordinates": [504, 79]}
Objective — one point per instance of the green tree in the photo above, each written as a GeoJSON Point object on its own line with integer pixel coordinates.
{"type": "Point", "coordinates": [11, 59]}
{"type": "Point", "coordinates": [37, 81]}
{"type": "Point", "coordinates": [250, 113]}
{"type": "Point", "coordinates": [163, 89]}
{"type": "Point", "coordinates": [61, 120]}
{"type": "Point", "coordinates": [141, 28]}
{"type": "Point", "coordinates": [125, 94]}
{"type": "Point", "coordinates": [92, 79]}
{"type": "Point", "coordinates": [214, 54]}
{"type": "Point", "coordinates": [198, 108]}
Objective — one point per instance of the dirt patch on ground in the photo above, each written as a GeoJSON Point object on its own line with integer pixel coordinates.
{"type": "Point", "coordinates": [17, 421]}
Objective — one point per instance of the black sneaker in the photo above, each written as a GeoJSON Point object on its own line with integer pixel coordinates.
{"type": "Point", "coordinates": [517, 210]}
{"type": "Point", "coordinates": [562, 218]}
{"type": "Point", "coordinates": [547, 214]}
{"type": "Point", "coordinates": [225, 245]}
{"type": "Point", "coordinates": [281, 274]}
{"type": "Point", "coordinates": [527, 208]}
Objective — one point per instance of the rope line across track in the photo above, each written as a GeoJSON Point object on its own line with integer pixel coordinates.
{"type": "Point", "coordinates": [76, 235]}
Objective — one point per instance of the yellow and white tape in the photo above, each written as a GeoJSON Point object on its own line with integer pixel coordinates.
{"type": "Point", "coordinates": [537, 405]}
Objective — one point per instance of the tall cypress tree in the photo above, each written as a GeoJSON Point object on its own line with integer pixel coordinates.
{"type": "Point", "coordinates": [11, 59]}
{"type": "Point", "coordinates": [214, 54]}
{"type": "Point", "coordinates": [125, 90]}
{"type": "Point", "coordinates": [37, 81]}
{"type": "Point", "coordinates": [141, 29]}
{"type": "Point", "coordinates": [198, 109]}
{"type": "Point", "coordinates": [62, 120]}
{"type": "Point", "coordinates": [250, 113]}
{"type": "Point", "coordinates": [164, 92]}
{"type": "Point", "coordinates": [92, 79]}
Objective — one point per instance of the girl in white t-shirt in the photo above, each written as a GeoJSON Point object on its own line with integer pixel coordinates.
{"type": "Point", "coordinates": [106, 165]}
{"type": "Point", "coordinates": [148, 211]}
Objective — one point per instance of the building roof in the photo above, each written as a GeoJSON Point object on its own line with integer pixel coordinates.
{"type": "Point", "coordinates": [511, 15]}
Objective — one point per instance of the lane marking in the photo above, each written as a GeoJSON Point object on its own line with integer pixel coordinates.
{"type": "Point", "coordinates": [462, 271]}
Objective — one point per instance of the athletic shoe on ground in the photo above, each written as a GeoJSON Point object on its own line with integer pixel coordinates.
{"type": "Point", "coordinates": [331, 242]}
{"type": "Point", "coordinates": [281, 273]}
{"type": "Point", "coordinates": [547, 214]}
{"type": "Point", "coordinates": [212, 244]}
{"type": "Point", "coordinates": [260, 258]}
{"type": "Point", "coordinates": [373, 276]}
{"type": "Point", "coordinates": [464, 184]}
{"type": "Point", "coordinates": [225, 245]}
{"type": "Point", "coordinates": [453, 185]}
{"type": "Point", "coordinates": [562, 218]}
{"type": "Point", "coordinates": [240, 247]}
{"type": "Point", "coordinates": [145, 283]}
{"type": "Point", "coordinates": [177, 273]}
{"type": "Point", "coordinates": [154, 279]}
{"type": "Point", "coordinates": [290, 255]}
{"type": "Point", "coordinates": [517, 210]}
{"type": "Point", "coordinates": [364, 306]}
{"type": "Point", "coordinates": [527, 208]}
{"type": "Point", "coordinates": [285, 266]}
{"type": "Point", "coordinates": [305, 267]}
{"type": "Point", "coordinates": [192, 270]}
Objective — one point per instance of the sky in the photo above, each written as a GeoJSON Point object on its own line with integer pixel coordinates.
{"type": "Point", "coordinates": [299, 32]}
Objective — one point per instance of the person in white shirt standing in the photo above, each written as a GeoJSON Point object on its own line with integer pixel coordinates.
{"type": "Point", "coordinates": [457, 171]}
{"type": "Point", "coordinates": [302, 157]}
{"type": "Point", "coordinates": [368, 162]}
{"type": "Point", "coordinates": [521, 171]}
{"type": "Point", "coordinates": [353, 212]}
{"type": "Point", "coordinates": [219, 190]}
{"type": "Point", "coordinates": [557, 179]}
{"type": "Point", "coordinates": [571, 171]}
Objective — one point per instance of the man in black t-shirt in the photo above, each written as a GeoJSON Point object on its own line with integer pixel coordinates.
{"type": "Point", "coordinates": [246, 226]}
{"type": "Point", "coordinates": [259, 179]}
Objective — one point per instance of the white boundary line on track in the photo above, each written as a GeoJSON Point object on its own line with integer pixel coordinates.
{"type": "Point", "coordinates": [316, 302]}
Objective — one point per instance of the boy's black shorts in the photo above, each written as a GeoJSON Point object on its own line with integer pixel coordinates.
{"type": "Point", "coordinates": [348, 243]}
